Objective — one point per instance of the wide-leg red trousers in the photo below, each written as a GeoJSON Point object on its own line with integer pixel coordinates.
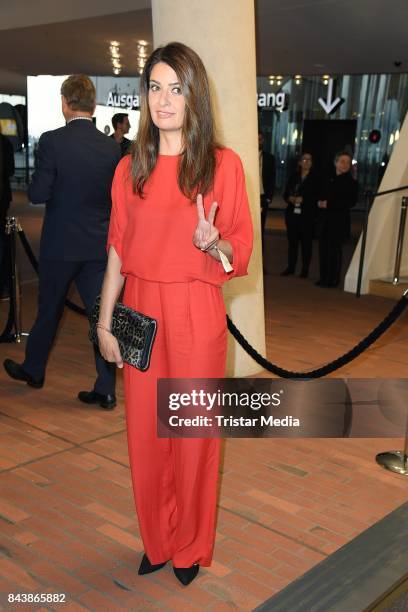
{"type": "Point", "coordinates": [175, 479]}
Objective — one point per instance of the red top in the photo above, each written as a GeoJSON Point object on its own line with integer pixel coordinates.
{"type": "Point", "coordinates": [153, 235]}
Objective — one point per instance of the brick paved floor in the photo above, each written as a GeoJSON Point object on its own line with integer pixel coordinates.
{"type": "Point", "coordinates": [67, 518]}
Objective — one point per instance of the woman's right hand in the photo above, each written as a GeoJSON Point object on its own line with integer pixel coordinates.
{"type": "Point", "coordinates": [109, 347]}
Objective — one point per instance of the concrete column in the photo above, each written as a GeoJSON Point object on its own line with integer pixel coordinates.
{"type": "Point", "coordinates": [222, 32]}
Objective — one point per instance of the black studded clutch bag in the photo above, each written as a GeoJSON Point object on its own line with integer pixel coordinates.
{"type": "Point", "coordinates": [134, 331]}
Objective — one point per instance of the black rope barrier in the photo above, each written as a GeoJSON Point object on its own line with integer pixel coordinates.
{"type": "Point", "coordinates": [391, 317]}
{"type": "Point", "coordinates": [6, 335]}
{"type": "Point", "coordinates": [28, 250]}
{"type": "Point", "coordinates": [387, 191]}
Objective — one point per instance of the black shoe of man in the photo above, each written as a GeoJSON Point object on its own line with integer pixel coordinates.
{"type": "Point", "coordinates": [108, 402]}
{"type": "Point", "coordinates": [15, 371]}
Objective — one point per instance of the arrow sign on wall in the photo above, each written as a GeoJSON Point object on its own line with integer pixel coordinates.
{"type": "Point", "coordinates": [330, 105]}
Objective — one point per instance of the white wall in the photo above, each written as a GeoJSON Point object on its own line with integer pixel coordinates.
{"type": "Point", "coordinates": [44, 106]}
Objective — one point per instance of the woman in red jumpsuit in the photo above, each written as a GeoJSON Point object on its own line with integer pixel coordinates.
{"type": "Point", "coordinates": [180, 217]}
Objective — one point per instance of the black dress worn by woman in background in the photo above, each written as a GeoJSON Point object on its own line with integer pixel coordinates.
{"type": "Point", "coordinates": [301, 195]}
{"type": "Point", "coordinates": [339, 195]}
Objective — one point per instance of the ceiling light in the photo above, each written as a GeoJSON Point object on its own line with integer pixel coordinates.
{"type": "Point", "coordinates": [115, 56]}
{"type": "Point", "coordinates": [141, 54]}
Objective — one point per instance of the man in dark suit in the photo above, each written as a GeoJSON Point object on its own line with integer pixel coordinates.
{"type": "Point", "coordinates": [267, 175]}
{"type": "Point", "coordinates": [121, 126]}
{"type": "Point", "coordinates": [75, 169]}
{"type": "Point", "coordinates": [6, 171]}
{"type": "Point", "coordinates": [339, 194]}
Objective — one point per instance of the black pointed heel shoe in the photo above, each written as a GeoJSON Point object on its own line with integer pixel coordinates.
{"type": "Point", "coordinates": [147, 568]}
{"type": "Point", "coordinates": [186, 574]}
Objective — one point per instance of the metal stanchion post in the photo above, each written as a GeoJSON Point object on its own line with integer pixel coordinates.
{"type": "Point", "coordinates": [396, 461]}
{"type": "Point", "coordinates": [369, 198]}
{"type": "Point", "coordinates": [400, 241]}
{"type": "Point", "coordinates": [12, 228]}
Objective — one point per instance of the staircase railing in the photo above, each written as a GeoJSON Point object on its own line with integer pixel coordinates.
{"type": "Point", "coordinates": [369, 199]}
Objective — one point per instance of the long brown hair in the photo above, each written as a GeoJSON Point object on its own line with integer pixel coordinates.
{"type": "Point", "coordinates": [197, 164]}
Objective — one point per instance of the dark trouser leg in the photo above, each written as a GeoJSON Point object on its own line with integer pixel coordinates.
{"type": "Point", "coordinates": [89, 283]}
{"type": "Point", "coordinates": [335, 260]}
{"type": "Point", "coordinates": [54, 280]}
{"type": "Point", "coordinates": [324, 256]}
{"type": "Point", "coordinates": [293, 242]}
{"type": "Point", "coordinates": [339, 263]}
{"type": "Point", "coordinates": [306, 241]}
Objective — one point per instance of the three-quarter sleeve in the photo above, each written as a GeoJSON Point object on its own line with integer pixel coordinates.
{"type": "Point", "coordinates": [234, 219]}
{"type": "Point", "coordinates": [153, 235]}
{"type": "Point", "coordinates": [118, 219]}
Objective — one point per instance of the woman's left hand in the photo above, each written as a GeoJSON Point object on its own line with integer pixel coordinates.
{"type": "Point", "coordinates": [205, 232]}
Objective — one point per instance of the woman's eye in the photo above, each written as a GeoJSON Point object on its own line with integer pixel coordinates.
{"type": "Point", "coordinates": [176, 90]}
{"type": "Point", "coordinates": [154, 87]}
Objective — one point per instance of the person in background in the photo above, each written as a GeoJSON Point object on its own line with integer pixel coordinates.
{"type": "Point", "coordinates": [180, 218]}
{"type": "Point", "coordinates": [267, 174]}
{"type": "Point", "coordinates": [6, 172]}
{"type": "Point", "coordinates": [73, 178]}
{"type": "Point", "coordinates": [301, 197]}
{"type": "Point", "coordinates": [338, 196]}
{"type": "Point", "coordinates": [121, 126]}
